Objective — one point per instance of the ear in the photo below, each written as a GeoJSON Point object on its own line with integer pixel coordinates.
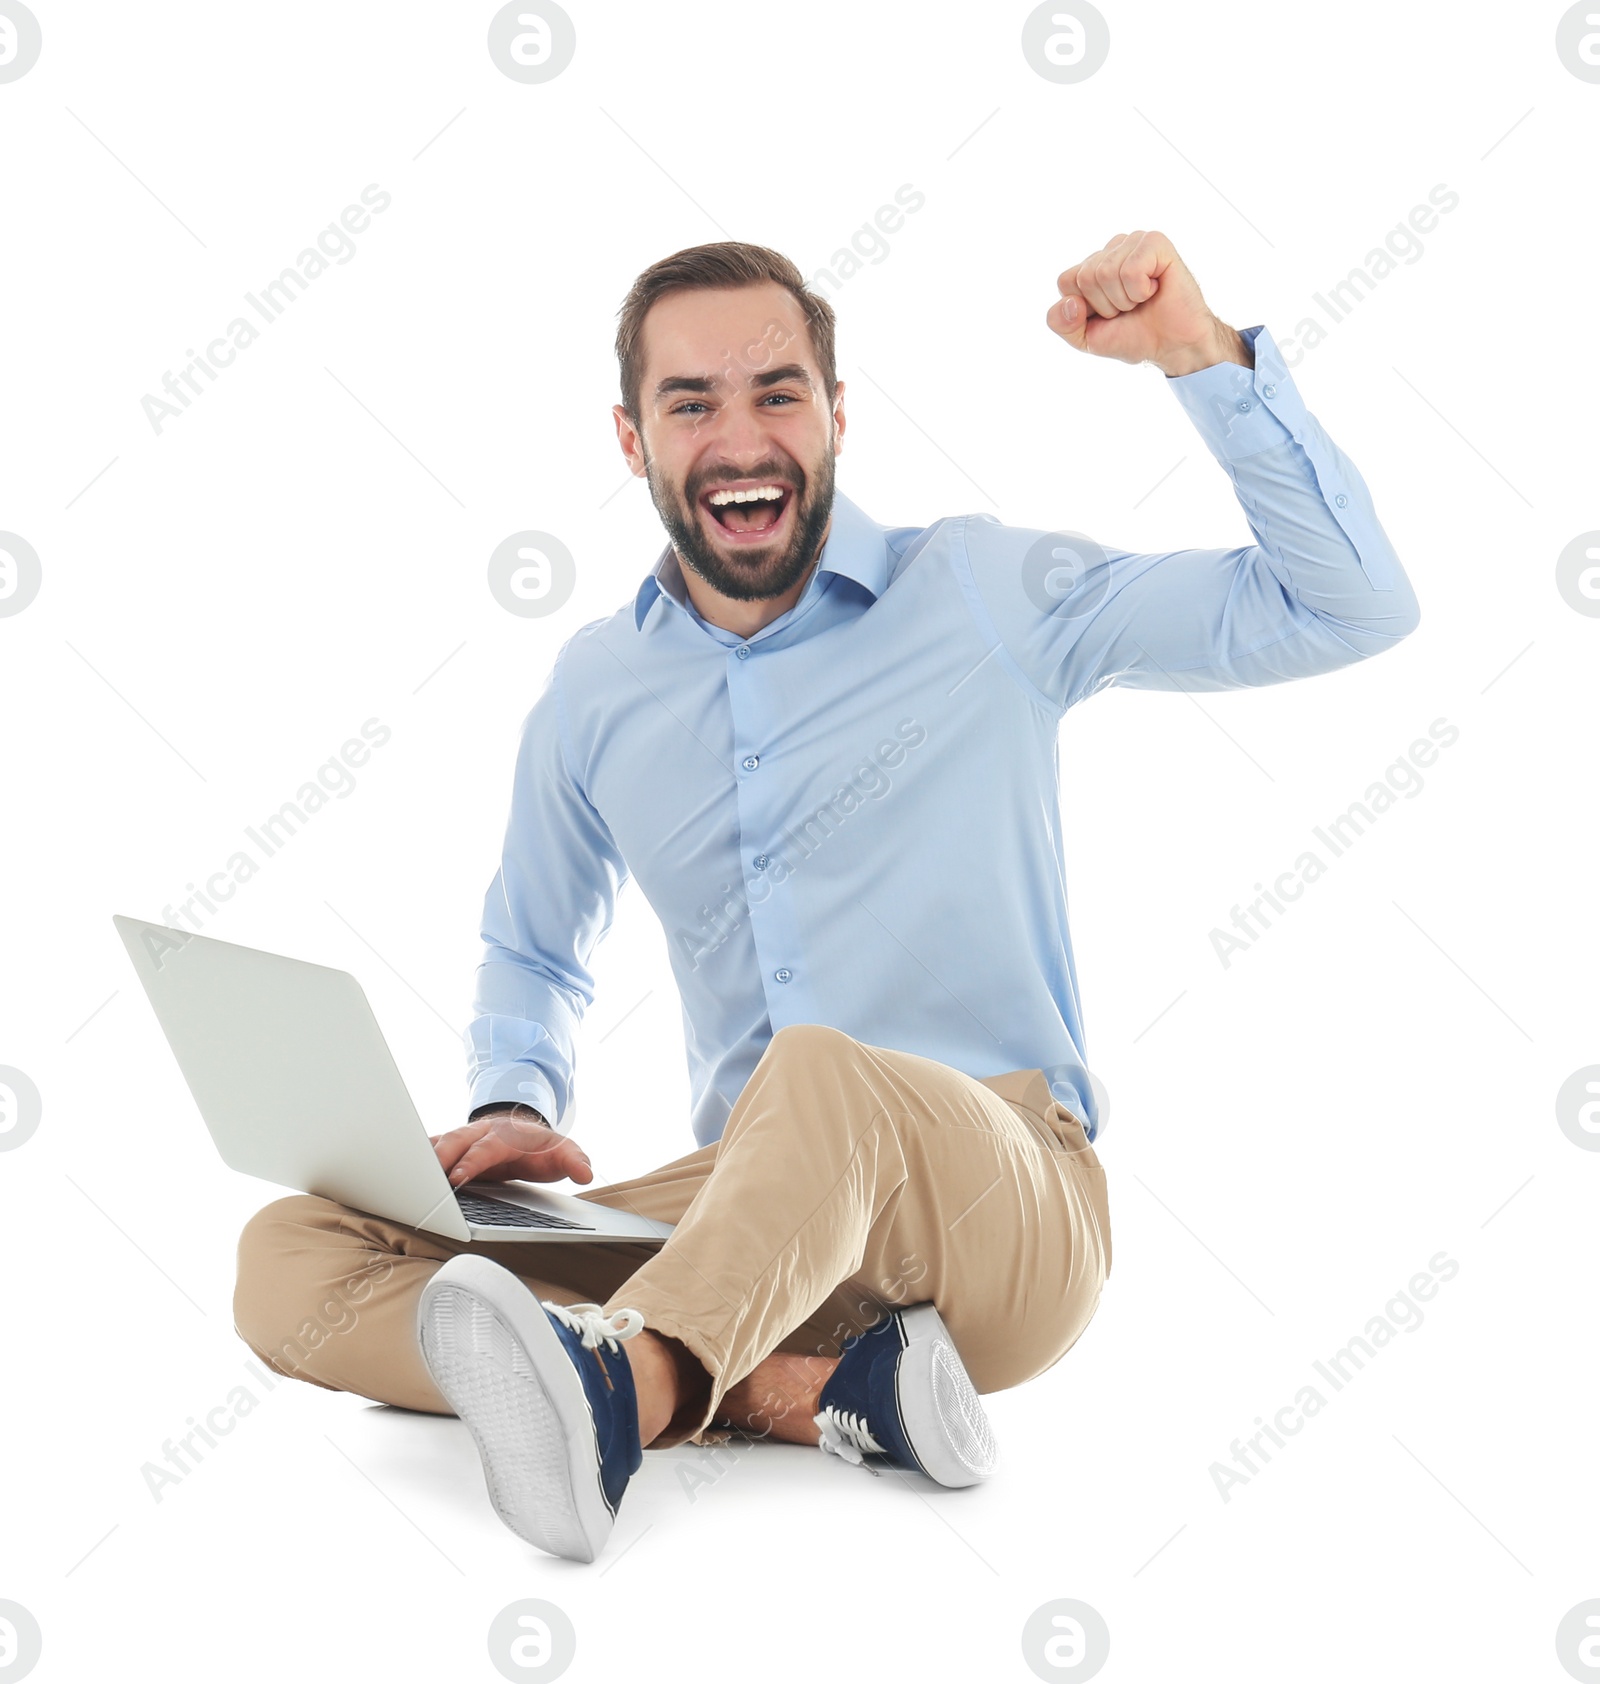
{"type": "Point", "coordinates": [838, 417]}
{"type": "Point", "coordinates": [629, 439]}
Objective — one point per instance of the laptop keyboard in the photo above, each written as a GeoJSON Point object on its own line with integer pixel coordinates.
{"type": "Point", "coordinates": [482, 1211]}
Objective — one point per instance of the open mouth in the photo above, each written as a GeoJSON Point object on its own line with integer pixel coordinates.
{"type": "Point", "coordinates": [748, 514]}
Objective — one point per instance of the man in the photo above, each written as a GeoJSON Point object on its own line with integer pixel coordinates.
{"type": "Point", "coordinates": [826, 749]}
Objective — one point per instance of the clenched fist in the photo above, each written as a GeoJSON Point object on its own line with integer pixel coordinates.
{"type": "Point", "coordinates": [1135, 300]}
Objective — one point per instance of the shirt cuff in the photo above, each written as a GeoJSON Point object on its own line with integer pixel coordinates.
{"type": "Point", "coordinates": [497, 1105]}
{"type": "Point", "coordinates": [1241, 411]}
{"type": "Point", "coordinates": [522, 1084]}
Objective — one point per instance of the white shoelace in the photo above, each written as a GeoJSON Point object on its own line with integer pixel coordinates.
{"type": "Point", "coordinates": [846, 1436]}
{"type": "Point", "coordinates": [594, 1324]}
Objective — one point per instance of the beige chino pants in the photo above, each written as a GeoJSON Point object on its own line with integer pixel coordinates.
{"type": "Point", "coordinates": [850, 1179]}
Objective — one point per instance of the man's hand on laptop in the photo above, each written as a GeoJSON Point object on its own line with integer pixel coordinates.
{"type": "Point", "coordinates": [513, 1144]}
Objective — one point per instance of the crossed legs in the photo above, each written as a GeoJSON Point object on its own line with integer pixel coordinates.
{"type": "Point", "coordinates": [849, 1179]}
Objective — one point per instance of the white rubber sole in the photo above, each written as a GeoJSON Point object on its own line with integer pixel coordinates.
{"type": "Point", "coordinates": [493, 1354]}
{"type": "Point", "coordinates": [939, 1407]}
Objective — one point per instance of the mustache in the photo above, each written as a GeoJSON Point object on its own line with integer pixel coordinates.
{"type": "Point", "coordinates": [696, 489]}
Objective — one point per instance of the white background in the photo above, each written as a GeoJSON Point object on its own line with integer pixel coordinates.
{"type": "Point", "coordinates": [223, 604]}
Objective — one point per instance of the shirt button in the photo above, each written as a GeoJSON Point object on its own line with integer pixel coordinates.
{"type": "Point", "coordinates": [1244, 405]}
{"type": "Point", "coordinates": [1269, 391]}
{"type": "Point", "coordinates": [783, 974]}
{"type": "Point", "coordinates": [750, 762]}
{"type": "Point", "coordinates": [763, 861]}
{"type": "Point", "coordinates": [743, 652]}
{"type": "Point", "coordinates": [1340, 500]}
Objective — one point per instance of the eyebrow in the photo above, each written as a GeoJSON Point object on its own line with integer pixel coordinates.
{"type": "Point", "coordinates": [776, 376]}
{"type": "Point", "coordinates": [702, 384]}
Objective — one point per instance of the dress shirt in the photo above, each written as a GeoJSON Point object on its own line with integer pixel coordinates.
{"type": "Point", "coordinates": [853, 817]}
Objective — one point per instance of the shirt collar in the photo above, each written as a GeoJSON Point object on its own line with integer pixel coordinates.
{"type": "Point", "coordinates": [855, 548]}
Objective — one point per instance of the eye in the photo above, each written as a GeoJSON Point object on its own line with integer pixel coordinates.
{"type": "Point", "coordinates": [780, 397]}
{"type": "Point", "coordinates": [684, 408]}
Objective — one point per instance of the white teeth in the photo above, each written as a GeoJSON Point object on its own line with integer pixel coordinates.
{"type": "Point", "coordinates": [759, 494]}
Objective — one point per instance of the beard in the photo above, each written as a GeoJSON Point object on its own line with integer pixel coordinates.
{"type": "Point", "coordinates": [756, 573]}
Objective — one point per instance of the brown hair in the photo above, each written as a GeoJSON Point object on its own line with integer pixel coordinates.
{"type": "Point", "coordinates": [723, 264]}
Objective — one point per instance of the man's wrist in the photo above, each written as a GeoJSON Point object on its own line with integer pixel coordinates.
{"type": "Point", "coordinates": [1224, 345]}
{"type": "Point", "coordinates": [509, 1108]}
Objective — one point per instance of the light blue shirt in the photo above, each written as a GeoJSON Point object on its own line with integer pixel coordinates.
{"type": "Point", "coordinates": [853, 817]}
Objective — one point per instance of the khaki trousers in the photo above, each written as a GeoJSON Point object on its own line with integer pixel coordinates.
{"type": "Point", "coordinates": [849, 1179]}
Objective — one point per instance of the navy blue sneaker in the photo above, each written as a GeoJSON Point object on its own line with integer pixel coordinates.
{"type": "Point", "coordinates": [547, 1393]}
{"type": "Point", "coordinates": [901, 1395]}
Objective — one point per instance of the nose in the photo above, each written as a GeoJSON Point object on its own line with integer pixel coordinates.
{"type": "Point", "coordinates": [741, 433]}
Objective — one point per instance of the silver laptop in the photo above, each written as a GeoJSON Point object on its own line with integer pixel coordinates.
{"type": "Point", "coordinates": [297, 1085]}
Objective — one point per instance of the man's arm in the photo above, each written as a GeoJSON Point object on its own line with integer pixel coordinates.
{"type": "Point", "coordinates": [550, 903]}
{"type": "Point", "coordinates": [1321, 587]}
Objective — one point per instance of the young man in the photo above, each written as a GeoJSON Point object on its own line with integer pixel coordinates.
{"type": "Point", "coordinates": [826, 749]}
